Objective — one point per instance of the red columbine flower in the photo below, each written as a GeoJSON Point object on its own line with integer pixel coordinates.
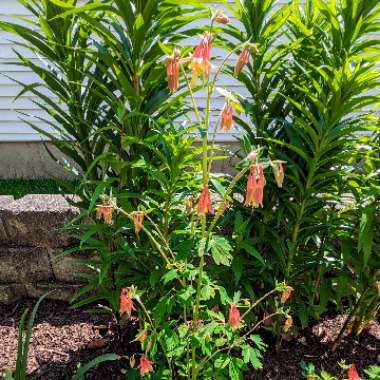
{"type": "Point", "coordinates": [172, 73]}
{"type": "Point", "coordinates": [126, 304]}
{"type": "Point", "coordinates": [279, 173]}
{"type": "Point", "coordinates": [145, 365]}
{"type": "Point", "coordinates": [105, 210]}
{"type": "Point", "coordinates": [353, 373]}
{"type": "Point", "coordinates": [227, 117]}
{"type": "Point", "coordinates": [255, 186]}
{"type": "Point", "coordinates": [242, 61]}
{"type": "Point", "coordinates": [138, 219]}
{"type": "Point", "coordinates": [201, 60]}
{"type": "Point", "coordinates": [234, 316]}
{"type": "Point", "coordinates": [204, 202]}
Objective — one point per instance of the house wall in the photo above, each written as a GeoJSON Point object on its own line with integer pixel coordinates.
{"type": "Point", "coordinates": [22, 150]}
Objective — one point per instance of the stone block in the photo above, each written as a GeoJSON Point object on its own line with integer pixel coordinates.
{"type": "Point", "coordinates": [5, 201]}
{"type": "Point", "coordinates": [66, 269]}
{"type": "Point", "coordinates": [60, 292]}
{"type": "Point", "coordinates": [25, 264]}
{"type": "Point", "coordinates": [37, 220]}
{"type": "Point", "coordinates": [11, 292]}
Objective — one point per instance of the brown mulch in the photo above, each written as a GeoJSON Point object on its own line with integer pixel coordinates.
{"type": "Point", "coordinates": [64, 338]}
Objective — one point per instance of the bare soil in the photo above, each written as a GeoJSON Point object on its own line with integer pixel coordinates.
{"type": "Point", "coordinates": [63, 339]}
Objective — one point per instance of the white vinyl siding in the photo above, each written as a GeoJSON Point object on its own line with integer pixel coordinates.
{"type": "Point", "coordinates": [14, 129]}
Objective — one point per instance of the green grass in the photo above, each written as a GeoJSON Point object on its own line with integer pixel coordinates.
{"type": "Point", "coordinates": [21, 187]}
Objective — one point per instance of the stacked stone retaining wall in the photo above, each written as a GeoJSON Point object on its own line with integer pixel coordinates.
{"type": "Point", "coordinates": [31, 238]}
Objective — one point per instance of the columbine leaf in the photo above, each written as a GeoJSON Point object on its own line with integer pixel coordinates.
{"type": "Point", "coordinates": [221, 250]}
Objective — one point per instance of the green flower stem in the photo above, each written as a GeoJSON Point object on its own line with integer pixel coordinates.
{"type": "Point", "coordinates": [205, 174]}
{"type": "Point", "coordinates": [191, 93]}
{"type": "Point", "coordinates": [161, 236]}
{"type": "Point", "coordinates": [150, 236]}
{"type": "Point", "coordinates": [220, 210]}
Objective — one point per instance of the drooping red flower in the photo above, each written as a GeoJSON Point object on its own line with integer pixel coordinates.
{"type": "Point", "coordinates": [255, 186]}
{"type": "Point", "coordinates": [201, 60]}
{"type": "Point", "coordinates": [172, 73]}
{"type": "Point", "coordinates": [234, 316]}
{"type": "Point", "coordinates": [138, 219]}
{"type": "Point", "coordinates": [126, 306]}
{"type": "Point", "coordinates": [145, 365]}
{"type": "Point", "coordinates": [204, 202]}
{"type": "Point", "coordinates": [353, 373]}
{"type": "Point", "coordinates": [242, 61]}
{"type": "Point", "coordinates": [287, 293]}
{"type": "Point", "coordinates": [105, 210]}
{"type": "Point", "coordinates": [279, 173]}
{"type": "Point", "coordinates": [227, 117]}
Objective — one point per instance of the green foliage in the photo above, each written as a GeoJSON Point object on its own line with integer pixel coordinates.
{"type": "Point", "coordinates": [100, 79]}
{"type": "Point", "coordinates": [167, 261]}
{"type": "Point", "coordinates": [23, 341]}
{"type": "Point", "coordinates": [93, 363]}
{"type": "Point", "coordinates": [311, 373]}
{"type": "Point", "coordinates": [310, 82]}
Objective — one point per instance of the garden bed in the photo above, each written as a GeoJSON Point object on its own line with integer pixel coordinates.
{"type": "Point", "coordinates": [63, 338]}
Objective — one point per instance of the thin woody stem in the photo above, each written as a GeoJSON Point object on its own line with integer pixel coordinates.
{"type": "Point", "coordinates": [161, 235]}
{"type": "Point", "coordinates": [151, 237]}
{"type": "Point", "coordinates": [259, 301]}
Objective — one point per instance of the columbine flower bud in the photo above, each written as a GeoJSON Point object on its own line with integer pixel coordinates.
{"type": "Point", "coordinates": [252, 156]}
{"type": "Point", "coordinates": [204, 203]}
{"type": "Point", "coordinates": [378, 287]}
{"type": "Point", "coordinates": [145, 365]}
{"type": "Point", "coordinates": [286, 294]}
{"type": "Point", "coordinates": [221, 18]}
{"type": "Point", "coordinates": [227, 117]}
{"type": "Point", "coordinates": [242, 61]}
{"type": "Point", "coordinates": [138, 219]}
{"type": "Point", "coordinates": [126, 306]}
{"type": "Point", "coordinates": [253, 48]}
{"type": "Point", "coordinates": [255, 186]}
{"type": "Point", "coordinates": [288, 324]}
{"type": "Point", "coordinates": [279, 173]}
{"type": "Point", "coordinates": [234, 316]}
{"type": "Point", "coordinates": [172, 73]}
